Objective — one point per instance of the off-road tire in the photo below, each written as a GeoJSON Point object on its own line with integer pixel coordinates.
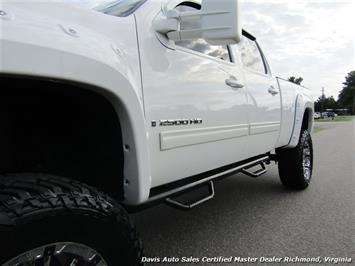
{"type": "Point", "coordinates": [38, 210]}
{"type": "Point", "coordinates": [291, 163]}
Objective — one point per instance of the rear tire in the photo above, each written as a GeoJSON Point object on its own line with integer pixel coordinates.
{"type": "Point", "coordinates": [64, 222]}
{"type": "Point", "coordinates": [296, 164]}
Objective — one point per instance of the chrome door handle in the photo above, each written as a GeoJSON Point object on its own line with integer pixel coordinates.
{"type": "Point", "coordinates": [234, 83]}
{"type": "Point", "coordinates": [272, 90]}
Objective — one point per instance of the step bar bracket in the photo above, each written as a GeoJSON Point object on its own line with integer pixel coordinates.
{"type": "Point", "coordinates": [256, 173]}
{"type": "Point", "coordinates": [185, 206]}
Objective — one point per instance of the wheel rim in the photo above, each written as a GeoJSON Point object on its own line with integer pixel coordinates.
{"type": "Point", "coordinates": [59, 254]}
{"type": "Point", "coordinates": [307, 161]}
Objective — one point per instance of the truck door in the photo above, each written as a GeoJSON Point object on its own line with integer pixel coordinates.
{"type": "Point", "coordinates": [195, 105]}
{"type": "Point", "coordinates": [264, 102]}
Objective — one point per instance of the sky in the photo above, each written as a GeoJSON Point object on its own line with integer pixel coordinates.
{"type": "Point", "coordinates": [313, 39]}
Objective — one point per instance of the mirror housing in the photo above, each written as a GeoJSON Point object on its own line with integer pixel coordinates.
{"type": "Point", "coordinates": [218, 23]}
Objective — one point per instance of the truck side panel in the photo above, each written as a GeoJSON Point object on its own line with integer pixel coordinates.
{"type": "Point", "coordinates": [288, 106]}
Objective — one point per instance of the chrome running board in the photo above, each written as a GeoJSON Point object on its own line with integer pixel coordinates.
{"type": "Point", "coordinates": [179, 190]}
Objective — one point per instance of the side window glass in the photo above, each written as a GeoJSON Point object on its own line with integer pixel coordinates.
{"type": "Point", "coordinates": [250, 55]}
{"type": "Point", "coordinates": [200, 45]}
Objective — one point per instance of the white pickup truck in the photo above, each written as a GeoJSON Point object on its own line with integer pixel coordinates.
{"type": "Point", "coordinates": [108, 106]}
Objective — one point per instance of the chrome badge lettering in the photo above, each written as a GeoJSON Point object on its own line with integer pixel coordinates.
{"type": "Point", "coordinates": [177, 122]}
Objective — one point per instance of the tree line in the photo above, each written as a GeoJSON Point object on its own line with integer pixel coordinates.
{"type": "Point", "coordinates": [346, 99]}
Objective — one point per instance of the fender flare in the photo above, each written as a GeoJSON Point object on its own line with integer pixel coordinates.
{"type": "Point", "coordinates": [303, 105]}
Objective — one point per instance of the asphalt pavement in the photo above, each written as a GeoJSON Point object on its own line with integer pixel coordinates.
{"type": "Point", "coordinates": [259, 218]}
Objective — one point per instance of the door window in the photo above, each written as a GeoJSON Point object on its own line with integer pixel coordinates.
{"type": "Point", "coordinates": [120, 8]}
{"type": "Point", "coordinates": [250, 55]}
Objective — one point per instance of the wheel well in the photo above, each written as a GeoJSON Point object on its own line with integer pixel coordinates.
{"type": "Point", "coordinates": [61, 129]}
{"type": "Point", "coordinates": [307, 122]}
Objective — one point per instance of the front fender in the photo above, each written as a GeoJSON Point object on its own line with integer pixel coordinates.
{"type": "Point", "coordinates": [70, 47]}
{"type": "Point", "coordinates": [65, 29]}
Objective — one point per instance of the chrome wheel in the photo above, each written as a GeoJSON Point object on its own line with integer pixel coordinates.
{"type": "Point", "coordinates": [59, 254]}
{"type": "Point", "coordinates": [307, 161]}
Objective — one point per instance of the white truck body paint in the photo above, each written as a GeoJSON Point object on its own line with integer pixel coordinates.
{"type": "Point", "coordinates": [145, 80]}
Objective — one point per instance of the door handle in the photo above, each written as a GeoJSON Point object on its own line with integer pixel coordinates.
{"type": "Point", "coordinates": [272, 90]}
{"type": "Point", "coordinates": [234, 83]}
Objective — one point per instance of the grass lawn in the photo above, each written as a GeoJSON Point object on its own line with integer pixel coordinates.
{"type": "Point", "coordinates": [339, 118]}
{"type": "Point", "coordinates": [318, 129]}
